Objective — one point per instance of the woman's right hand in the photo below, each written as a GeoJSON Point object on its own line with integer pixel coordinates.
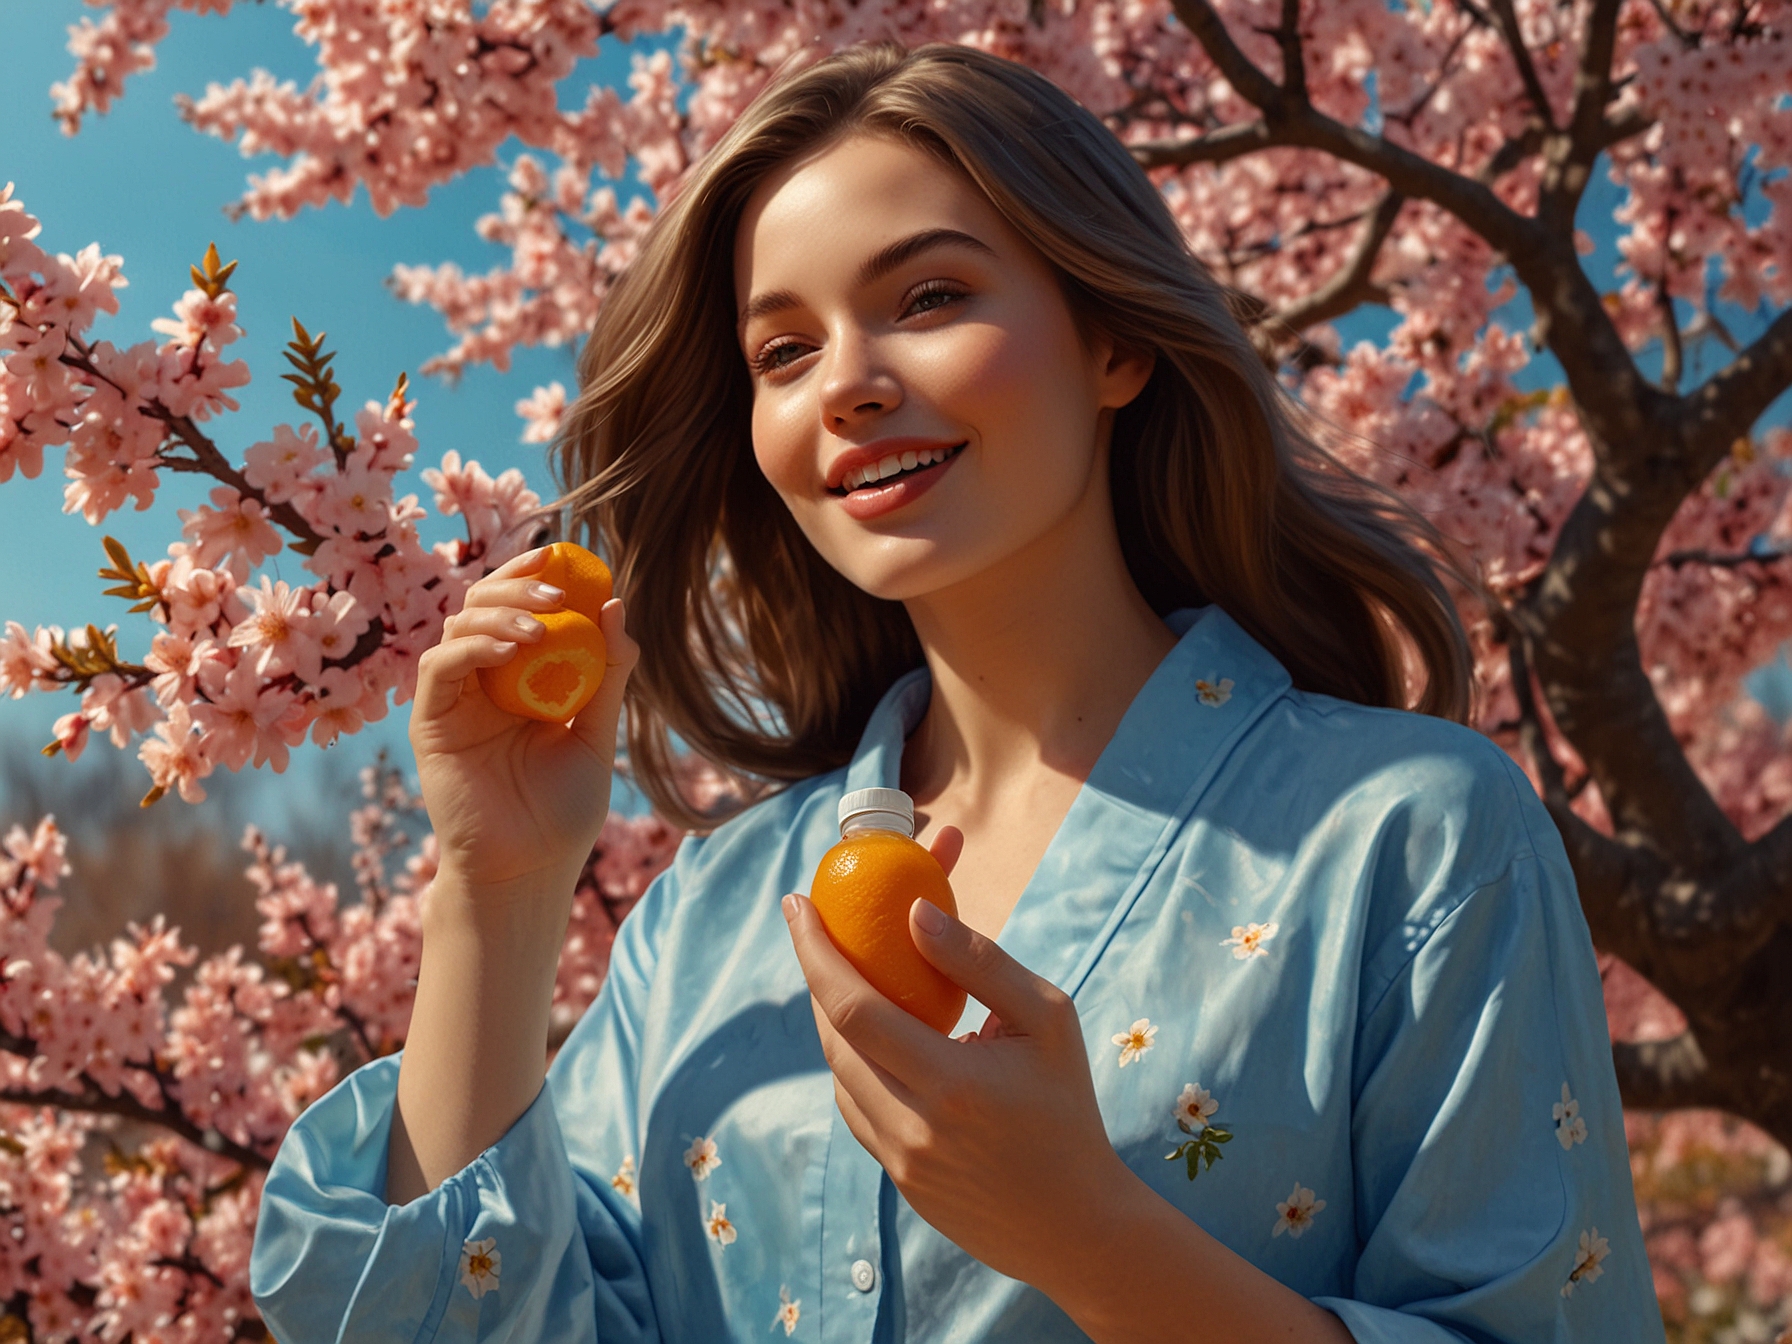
{"type": "Point", "coordinates": [512, 799]}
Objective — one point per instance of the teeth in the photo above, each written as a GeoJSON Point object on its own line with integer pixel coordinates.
{"type": "Point", "coordinates": [893, 465]}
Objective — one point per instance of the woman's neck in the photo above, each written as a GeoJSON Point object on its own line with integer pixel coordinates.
{"type": "Point", "coordinates": [1034, 663]}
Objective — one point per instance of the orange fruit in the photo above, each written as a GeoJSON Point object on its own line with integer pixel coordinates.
{"type": "Point", "coordinates": [583, 577]}
{"type": "Point", "coordinates": [553, 678]}
{"type": "Point", "coordinates": [862, 891]}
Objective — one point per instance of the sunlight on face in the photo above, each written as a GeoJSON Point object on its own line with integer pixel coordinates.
{"type": "Point", "coordinates": [888, 309]}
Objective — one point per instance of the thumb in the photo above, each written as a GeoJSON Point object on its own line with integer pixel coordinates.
{"type": "Point", "coordinates": [1028, 1004]}
{"type": "Point", "coordinates": [595, 725]}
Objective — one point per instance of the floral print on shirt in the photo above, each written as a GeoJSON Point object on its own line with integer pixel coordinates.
{"type": "Point", "coordinates": [1134, 1041]}
{"type": "Point", "coordinates": [1593, 1249]}
{"type": "Point", "coordinates": [1213, 694]}
{"type": "Point", "coordinates": [1192, 1108]}
{"type": "Point", "coordinates": [1297, 1212]}
{"type": "Point", "coordinates": [717, 1224]}
{"type": "Point", "coordinates": [701, 1157]}
{"type": "Point", "coordinates": [1247, 940]}
{"type": "Point", "coordinates": [623, 1182]}
{"type": "Point", "coordinates": [479, 1266]}
{"type": "Point", "coordinates": [1570, 1127]}
{"type": "Point", "coordinates": [790, 1310]}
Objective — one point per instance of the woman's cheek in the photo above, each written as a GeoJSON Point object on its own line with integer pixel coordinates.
{"type": "Point", "coordinates": [777, 449]}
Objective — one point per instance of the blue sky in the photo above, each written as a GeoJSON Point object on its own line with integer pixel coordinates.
{"type": "Point", "coordinates": [146, 187]}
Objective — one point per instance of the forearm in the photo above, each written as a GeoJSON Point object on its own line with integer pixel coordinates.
{"type": "Point", "coordinates": [1137, 1269]}
{"type": "Point", "coordinates": [476, 1052]}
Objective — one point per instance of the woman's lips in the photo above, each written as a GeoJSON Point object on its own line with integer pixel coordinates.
{"type": "Point", "coordinates": [873, 501]}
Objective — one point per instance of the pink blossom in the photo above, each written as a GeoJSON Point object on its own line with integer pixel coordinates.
{"type": "Point", "coordinates": [354, 500]}
{"type": "Point", "coordinates": [26, 660]}
{"type": "Point", "coordinates": [276, 466]}
{"type": "Point", "coordinates": [173, 755]}
{"type": "Point", "coordinates": [235, 531]}
{"type": "Point", "coordinates": [241, 716]}
{"type": "Point", "coordinates": [541, 412]}
{"type": "Point", "coordinates": [275, 634]}
{"type": "Point", "coordinates": [200, 318]}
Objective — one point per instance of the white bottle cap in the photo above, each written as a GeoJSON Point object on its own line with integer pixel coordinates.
{"type": "Point", "coordinates": [878, 809]}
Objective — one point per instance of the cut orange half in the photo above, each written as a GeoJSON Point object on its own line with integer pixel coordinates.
{"type": "Point", "coordinates": [553, 678]}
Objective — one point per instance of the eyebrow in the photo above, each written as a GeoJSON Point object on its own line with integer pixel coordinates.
{"type": "Point", "coordinates": [875, 267]}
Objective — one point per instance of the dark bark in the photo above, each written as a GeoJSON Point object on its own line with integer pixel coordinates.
{"type": "Point", "coordinates": [1675, 889]}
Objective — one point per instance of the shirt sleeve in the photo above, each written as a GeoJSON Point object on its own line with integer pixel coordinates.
{"type": "Point", "coordinates": [528, 1241]}
{"type": "Point", "coordinates": [1493, 1191]}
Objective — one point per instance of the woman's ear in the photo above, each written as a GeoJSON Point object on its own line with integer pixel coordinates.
{"type": "Point", "coordinates": [1121, 371]}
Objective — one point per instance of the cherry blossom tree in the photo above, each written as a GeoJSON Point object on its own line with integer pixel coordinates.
{"type": "Point", "coordinates": [186, 1104]}
{"type": "Point", "coordinates": [1323, 156]}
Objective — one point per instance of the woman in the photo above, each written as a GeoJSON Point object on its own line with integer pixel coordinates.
{"type": "Point", "coordinates": [932, 460]}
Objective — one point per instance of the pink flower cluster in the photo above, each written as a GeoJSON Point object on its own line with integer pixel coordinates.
{"type": "Point", "coordinates": [1715, 1198]}
{"type": "Point", "coordinates": [242, 671]}
{"type": "Point", "coordinates": [134, 1134]}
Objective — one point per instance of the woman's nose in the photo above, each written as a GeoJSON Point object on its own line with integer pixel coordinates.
{"type": "Point", "coordinates": [856, 386]}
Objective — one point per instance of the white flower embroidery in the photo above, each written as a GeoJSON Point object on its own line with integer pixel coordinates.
{"type": "Point", "coordinates": [623, 1182]}
{"type": "Point", "coordinates": [717, 1224]}
{"type": "Point", "coordinates": [479, 1266]}
{"type": "Point", "coordinates": [701, 1157]}
{"type": "Point", "coordinates": [790, 1310]}
{"type": "Point", "coordinates": [1297, 1212]}
{"type": "Point", "coordinates": [1570, 1128]}
{"type": "Point", "coordinates": [1134, 1042]}
{"type": "Point", "coordinates": [1193, 1107]}
{"type": "Point", "coordinates": [1593, 1249]}
{"type": "Point", "coordinates": [1212, 694]}
{"type": "Point", "coordinates": [1247, 940]}
{"type": "Point", "coordinates": [1203, 1144]}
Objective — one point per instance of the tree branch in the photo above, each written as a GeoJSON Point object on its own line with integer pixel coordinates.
{"type": "Point", "coordinates": [1291, 121]}
{"type": "Point", "coordinates": [1664, 1075]}
{"type": "Point", "coordinates": [1570, 160]}
{"type": "Point", "coordinates": [1229, 142]}
{"type": "Point", "coordinates": [98, 1102]}
{"type": "Point", "coordinates": [1521, 55]}
{"type": "Point", "coordinates": [1727, 404]}
{"type": "Point", "coordinates": [1350, 286]}
{"type": "Point", "coordinates": [1605, 870]}
{"type": "Point", "coordinates": [1294, 66]}
{"type": "Point", "coordinates": [1672, 355]}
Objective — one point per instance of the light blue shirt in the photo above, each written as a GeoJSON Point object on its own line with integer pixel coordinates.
{"type": "Point", "coordinates": [1347, 937]}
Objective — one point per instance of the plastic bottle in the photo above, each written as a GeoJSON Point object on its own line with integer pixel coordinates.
{"type": "Point", "coordinates": [863, 889]}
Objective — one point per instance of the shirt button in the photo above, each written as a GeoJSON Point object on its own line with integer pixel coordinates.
{"type": "Point", "coordinates": [864, 1275]}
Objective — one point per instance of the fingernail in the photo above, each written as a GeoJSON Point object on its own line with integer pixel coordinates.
{"type": "Point", "coordinates": [546, 592]}
{"type": "Point", "coordinates": [930, 917]}
{"type": "Point", "coordinates": [789, 904]}
{"type": "Point", "coordinates": [529, 625]}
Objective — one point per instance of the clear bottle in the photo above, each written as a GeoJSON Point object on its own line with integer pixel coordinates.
{"type": "Point", "coordinates": [863, 889]}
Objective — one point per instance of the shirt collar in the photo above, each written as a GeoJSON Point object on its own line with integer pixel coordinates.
{"type": "Point", "coordinates": [1193, 708]}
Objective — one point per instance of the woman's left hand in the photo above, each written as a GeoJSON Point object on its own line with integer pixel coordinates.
{"type": "Point", "coordinates": [995, 1137]}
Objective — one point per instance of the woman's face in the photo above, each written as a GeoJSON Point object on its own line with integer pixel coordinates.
{"type": "Point", "coordinates": [894, 323]}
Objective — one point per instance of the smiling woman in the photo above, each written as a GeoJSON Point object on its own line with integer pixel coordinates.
{"type": "Point", "coordinates": [916, 430]}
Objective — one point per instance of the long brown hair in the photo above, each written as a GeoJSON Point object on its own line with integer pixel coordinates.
{"type": "Point", "coordinates": [763, 658]}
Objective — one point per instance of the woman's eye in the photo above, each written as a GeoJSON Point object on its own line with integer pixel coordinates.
{"type": "Point", "coordinates": [932, 296]}
{"type": "Point", "coordinates": [772, 358]}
